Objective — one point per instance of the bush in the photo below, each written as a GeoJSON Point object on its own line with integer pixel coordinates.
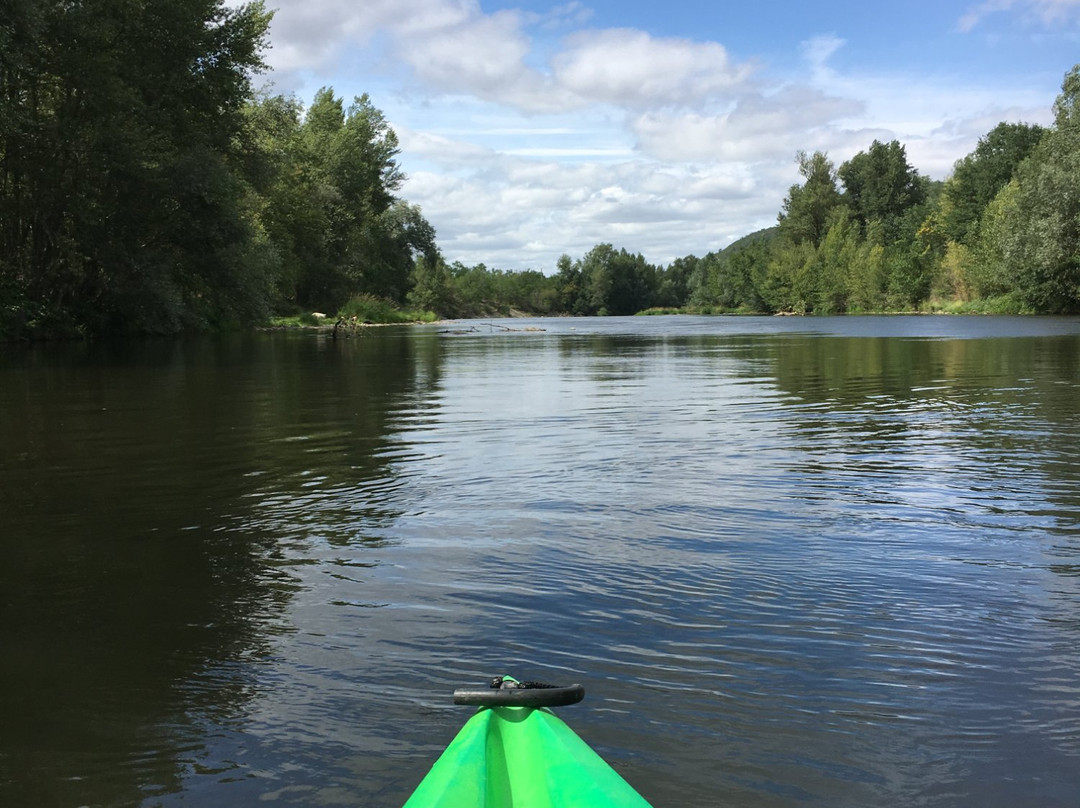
{"type": "Point", "coordinates": [371, 309]}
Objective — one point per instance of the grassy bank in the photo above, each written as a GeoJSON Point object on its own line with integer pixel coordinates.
{"type": "Point", "coordinates": [366, 309]}
{"type": "Point", "coordinates": [1005, 304]}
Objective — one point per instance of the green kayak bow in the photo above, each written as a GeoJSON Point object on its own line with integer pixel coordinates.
{"type": "Point", "coordinates": [515, 753]}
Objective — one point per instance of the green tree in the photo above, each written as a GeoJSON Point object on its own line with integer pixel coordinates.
{"type": "Point", "coordinates": [910, 275]}
{"type": "Point", "coordinates": [743, 279]}
{"type": "Point", "coordinates": [331, 209]}
{"type": "Point", "coordinates": [868, 277]}
{"type": "Point", "coordinates": [979, 176]}
{"type": "Point", "coordinates": [988, 274]}
{"type": "Point", "coordinates": [674, 283]}
{"type": "Point", "coordinates": [840, 256]}
{"type": "Point", "coordinates": [699, 291]}
{"type": "Point", "coordinates": [571, 294]}
{"type": "Point", "coordinates": [789, 284]}
{"type": "Point", "coordinates": [1040, 239]}
{"type": "Point", "coordinates": [473, 289]}
{"type": "Point", "coordinates": [395, 240]}
{"type": "Point", "coordinates": [526, 290]}
{"type": "Point", "coordinates": [123, 204]}
{"type": "Point", "coordinates": [880, 185]}
{"type": "Point", "coordinates": [807, 209]}
{"type": "Point", "coordinates": [431, 289]}
{"type": "Point", "coordinates": [617, 282]}
{"type": "Point", "coordinates": [734, 278]}
{"type": "Point", "coordinates": [371, 242]}
{"type": "Point", "coordinates": [277, 167]}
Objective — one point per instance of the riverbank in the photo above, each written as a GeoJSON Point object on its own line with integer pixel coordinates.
{"type": "Point", "coordinates": [1004, 305]}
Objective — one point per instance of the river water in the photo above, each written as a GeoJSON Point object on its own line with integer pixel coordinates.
{"type": "Point", "coordinates": [794, 561]}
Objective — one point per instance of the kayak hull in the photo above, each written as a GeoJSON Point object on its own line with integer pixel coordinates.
{"type": "Point", "coordinates": [521, 757]}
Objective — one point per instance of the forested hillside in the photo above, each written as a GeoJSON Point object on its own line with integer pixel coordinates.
{"type": "Point", "coordinates": [145, 187]}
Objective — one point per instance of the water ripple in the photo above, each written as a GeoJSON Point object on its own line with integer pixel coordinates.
{"type": "Point", "coordinates": [793, 564]}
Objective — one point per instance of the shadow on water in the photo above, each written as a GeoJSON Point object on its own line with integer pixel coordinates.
{"type": "Point", "coordinates": [142, 582]}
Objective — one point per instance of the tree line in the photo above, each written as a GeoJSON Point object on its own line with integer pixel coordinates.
{"type": "Point", "coordinates": [146, 187]}
{"type": "Point", "coordinates": [875, 235]}
{"type": "Point", "coordinates": [1001, 234]}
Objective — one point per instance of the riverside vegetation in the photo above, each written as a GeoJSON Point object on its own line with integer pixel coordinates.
{"type": "Point", "coordinates": [146, 187]}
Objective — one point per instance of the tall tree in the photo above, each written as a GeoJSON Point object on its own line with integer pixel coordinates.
{"type": "Point", "coordinates": [395, 240]}
{"type": "Point", "coordinates": [880, 185]}
{"type": "Point", "coordinates": [979, 176]}
{"type": "Point", "coordinates": [431, 286]}
{"type": "Point", "coordinates": [350, 171]}
{"type": "Point", "coordinates": [121, 204]}
{"type": "Point", "coordinates": [674, 286]}
{"type": "Point", "coordinates": [572, 296]}
{"type": "Point", "coordinates": [1040, 242]}
{"type": "Point", "coordinates": [807, 208]}
{"type": "Point", "coordinates": [618, 282]}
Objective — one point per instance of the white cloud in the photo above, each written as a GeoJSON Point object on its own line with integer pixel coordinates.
{"type": "Point", "coordinates": [697, 178]}
{"type": "Point", "coordinates": [452, 46]}
{"type": "Point", "coordinates": [568, 152]}
{"type": "Point", "coordinates": [312, 35]}
{"type": "Point", "coordinates": [1044, 12]}
{"type": "Point", "coordinates": [448, 151]}
{"type": "Point", "coordinates": [481, 55]}
{"type": "Point", "coordinates": [569, 15]}
{"type": "Point", "coordinates": [514, 212]}
{"type": "Point", "coordinates": [1054, 11]}
{"type": "Point", "coordinates": [524, 136]}
{"type": "Point", "coordinates": [631, 68]}
{"type": "Point", "coordinates": [938, 118]}
{"type": "Point", "coordinates": [974, 15]}
{"type": "Point", "coordinates": [758, 127]}
{"type": "Point", "coordinates": [308, 35]}
{"type": "Point", "coordinates": [817, 51]}
{"type": "Point", "coordinates": [425, 17]}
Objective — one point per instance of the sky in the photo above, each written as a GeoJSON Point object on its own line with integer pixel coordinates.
{"type": "Point", "coordinates": [533, 129]}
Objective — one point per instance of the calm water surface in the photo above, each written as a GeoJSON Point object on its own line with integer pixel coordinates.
{"type": "Point", "coordinates": [825, 562]}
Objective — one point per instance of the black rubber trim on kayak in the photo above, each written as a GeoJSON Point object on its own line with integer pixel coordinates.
{"type": "Point", "coordinates": [520, 694]}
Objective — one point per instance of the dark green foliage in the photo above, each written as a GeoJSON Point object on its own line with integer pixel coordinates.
{"type": "Point", "coordinates": [1040, 239]}
{"type": "Point", "coordinates": [481, 292]}
{"type": "Point", "coordinates": [674, 283]}
{"type": "Point", "coordinates": [605, 281]}
{"type": "Point", "coordinates": [331, 207]}
{"type": "Point", "coordinates": [910, 276]}
{"type": "Point", "coordinates": [431, 286]}
{"type": "Point", "coordinates": [121, 204]}
{"type": "Point", "coordinates": [733, 279]}
{"type": "Point", "coordinates": [617, 282]}
{"type": "Point", "coordinates": [365, 308]}
{"type": "Point", "coordinates": [570, 287]}
{"type": "Point", "coordinates": [808, 208]}
{"type": "Point", "coordinates": [879, 185]}
{"type": "Point", "coordinates": [144, 189]}
{"type": "Point", "coordinates": [979, 176]}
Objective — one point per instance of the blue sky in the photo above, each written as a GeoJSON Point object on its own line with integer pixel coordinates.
{"type": "Point", "coordinates": [532, 129]}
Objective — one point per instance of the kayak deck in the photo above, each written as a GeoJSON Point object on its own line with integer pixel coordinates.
{"type": "Point", "coordinates": [521, 757]}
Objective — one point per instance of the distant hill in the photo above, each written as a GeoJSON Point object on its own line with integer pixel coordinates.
{"type": "Point", "coordinates": [766, 234]}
